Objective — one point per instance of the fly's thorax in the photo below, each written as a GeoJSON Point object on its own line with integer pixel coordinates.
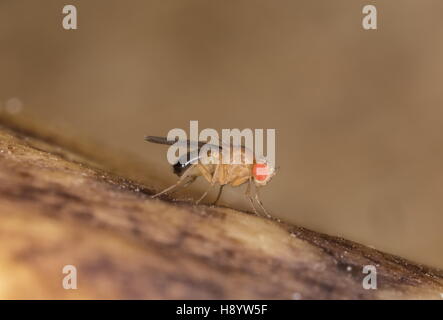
{"type": "Point", "coordinates": [237, 155]}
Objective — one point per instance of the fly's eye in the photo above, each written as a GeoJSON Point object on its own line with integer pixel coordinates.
{"type": "Point", "coordinates": [260, 171]}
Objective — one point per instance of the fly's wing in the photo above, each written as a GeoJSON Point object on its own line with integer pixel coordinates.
{"type": "Point", "coordinates": [163, 140]}
{"type": "Point", "coordinates": [185, 161]}
{"type": "Point", "coordinates": [187, 143]}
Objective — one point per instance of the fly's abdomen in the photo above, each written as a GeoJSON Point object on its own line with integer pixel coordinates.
{"type": "Point", "coordinates": [180, 168]}
{"type": "Point", "coordinates": [183, 164]}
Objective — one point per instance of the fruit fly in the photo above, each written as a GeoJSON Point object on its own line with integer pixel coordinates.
{"type": "Point", "coordinates": [256, 173]}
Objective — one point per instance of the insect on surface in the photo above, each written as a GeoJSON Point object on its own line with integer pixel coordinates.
{"type": "Point", "coordinates": [256, 173]}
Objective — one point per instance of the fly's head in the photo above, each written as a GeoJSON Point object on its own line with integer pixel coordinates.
{"type": "Point", "coordinates": [262, 172]}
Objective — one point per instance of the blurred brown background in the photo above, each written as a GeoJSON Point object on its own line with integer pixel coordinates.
{"type": "Point", "coordinates": [358, 113]}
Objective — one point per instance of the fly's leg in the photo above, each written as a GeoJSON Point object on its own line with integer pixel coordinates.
{"type": "Point", "coordinates": [182, 178]}
{"type": "Point", "coordinates": [257, 197]}
{"type": "Point", "coordinates": [219, 194]}
{"type": "Point", "coordinates": [248, 195]}
{"type": "Point", "coordinates": [204, 194]}
{"type": "Point", "coordinates": [187, 183]}
{"type": "Point", "coordinates": [213, 179]}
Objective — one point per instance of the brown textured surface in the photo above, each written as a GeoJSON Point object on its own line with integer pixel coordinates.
{"type": "Point", "coordinates": [56, 211]}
